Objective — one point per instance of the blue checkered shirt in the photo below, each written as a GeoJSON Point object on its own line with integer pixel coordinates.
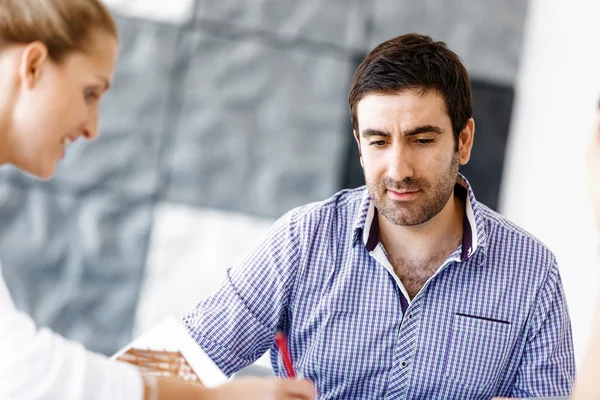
{"type": "Point", "coordinates": [492, 320]}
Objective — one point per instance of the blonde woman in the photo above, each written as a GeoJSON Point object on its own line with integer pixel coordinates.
{"type": "Point", "coordinates": [57, 59]}
{"type": "Point", "coordinates": [587, 385]}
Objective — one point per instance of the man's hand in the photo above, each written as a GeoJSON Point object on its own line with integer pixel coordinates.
{"type": "Point", "coordinates": [265, 389]}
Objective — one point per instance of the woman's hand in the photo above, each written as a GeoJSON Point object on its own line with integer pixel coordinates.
{"type": "Point", "coordinates": [264, 389]}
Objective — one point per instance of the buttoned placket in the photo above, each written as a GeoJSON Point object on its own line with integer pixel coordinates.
{"type": "Point", "coordinates": [407, 333]}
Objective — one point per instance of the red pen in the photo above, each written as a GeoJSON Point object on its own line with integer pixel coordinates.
{"type": "Point", "coordinates": [281, 342]}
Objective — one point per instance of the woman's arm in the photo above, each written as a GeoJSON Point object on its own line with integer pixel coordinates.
{"type": "Point", "coordinates": [587, 385]}
{"type": "Point", "coordinates": [38, 363]}
{"type": "Point", "coordinates": [247, 389]}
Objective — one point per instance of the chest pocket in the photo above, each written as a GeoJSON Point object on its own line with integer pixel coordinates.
{"type": "Point", "coordinates": [476, 350]}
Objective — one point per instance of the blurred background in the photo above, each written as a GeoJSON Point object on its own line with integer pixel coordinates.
{"type": "Point", "coordinates": [224, 114]}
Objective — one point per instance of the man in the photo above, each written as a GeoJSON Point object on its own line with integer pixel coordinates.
{"type": "Point", "coordinates": [408, 288]}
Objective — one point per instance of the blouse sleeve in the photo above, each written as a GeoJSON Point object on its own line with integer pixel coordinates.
{"type": "Point", "coordinates": [39, 364]}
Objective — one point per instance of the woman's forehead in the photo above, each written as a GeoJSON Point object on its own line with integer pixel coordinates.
{"type": "Point", "coordinates": [98, 58]}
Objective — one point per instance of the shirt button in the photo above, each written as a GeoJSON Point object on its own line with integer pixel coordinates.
{"type": "Point", "coordinates": [403, 364]}
{"type": "Point", "coordinates": [410, 316]}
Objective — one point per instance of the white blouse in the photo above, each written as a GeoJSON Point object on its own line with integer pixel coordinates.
{"type": "Point", "coordinates": [39, 364]}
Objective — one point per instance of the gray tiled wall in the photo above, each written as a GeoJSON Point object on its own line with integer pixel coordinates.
{"type": "Point", "coordinates": [486, 34]}
{"type": "Point", "coordinates": [337, 23]}
{"type": "Point", "coordinates": [259, 127]}
{"type": "Point", "coordinates": [74, 260]}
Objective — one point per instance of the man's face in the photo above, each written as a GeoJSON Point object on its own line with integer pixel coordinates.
{"type": "Point", "coordinates": [408, 154]}
{"type": "Point", "coordinates": [593, 167]}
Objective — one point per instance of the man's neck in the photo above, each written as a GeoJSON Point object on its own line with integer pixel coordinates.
{"type": "Point", "coordinates": [425, 240]}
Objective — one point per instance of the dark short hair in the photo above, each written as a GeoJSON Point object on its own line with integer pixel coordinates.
{"type": "Point", "coordinates": [415, 61]}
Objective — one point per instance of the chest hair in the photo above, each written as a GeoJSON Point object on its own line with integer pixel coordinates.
{"type": "Point", "coordinates": [414, 273]}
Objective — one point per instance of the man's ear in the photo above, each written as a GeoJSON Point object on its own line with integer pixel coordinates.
{"type": "Point", "coordinates": [465, 142]}
{"type": "Point", "coordinates": [357, 139]}
{"type": "Point", "coordinates": [34, 56]}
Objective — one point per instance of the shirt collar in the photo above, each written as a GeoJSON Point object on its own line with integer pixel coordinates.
{"type": "Point", "coordinates": [366, 226]}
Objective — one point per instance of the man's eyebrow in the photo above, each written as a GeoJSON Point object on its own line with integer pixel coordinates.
{"type": "Point", "coordinates": [374, 132]}
{"type": "Point", "coordinates": [411, 132]}
{"type": "Point", "coordinates": [423, 129]}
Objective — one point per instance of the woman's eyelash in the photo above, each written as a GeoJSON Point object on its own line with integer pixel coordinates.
{"type": "Point", "coordinates": [91, 94]}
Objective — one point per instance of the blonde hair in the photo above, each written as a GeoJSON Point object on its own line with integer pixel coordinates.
{"type": "Point", "coordinates": [64, 26]}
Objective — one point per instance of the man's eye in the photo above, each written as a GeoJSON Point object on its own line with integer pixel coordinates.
{"type": "Point", "coordinates": [378, 143]}
{"type": "Point", "coordinates": [424, 142]}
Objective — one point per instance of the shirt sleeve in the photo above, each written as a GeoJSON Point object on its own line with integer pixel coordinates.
{"type": "Point", "coordinates": [548, 364]}
{"type": "Point", "coordinates": [39, 364]}
{"type": "Point", "coordinates": [236, 325]}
